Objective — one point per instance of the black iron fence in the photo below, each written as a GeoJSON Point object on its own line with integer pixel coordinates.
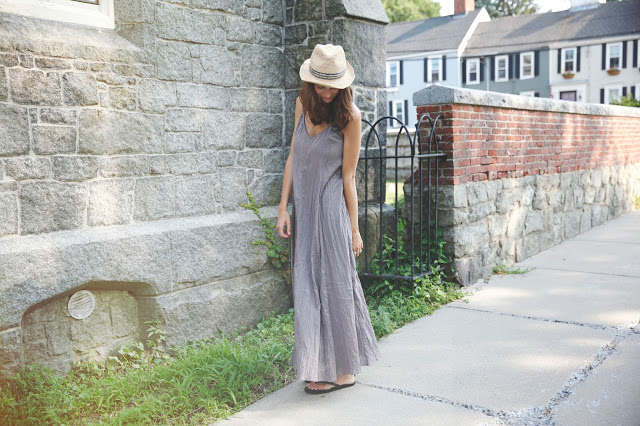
{"type": "Point", "coordinates": [416, 215]}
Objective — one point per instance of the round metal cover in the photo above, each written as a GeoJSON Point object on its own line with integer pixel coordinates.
{"type": "Point", "coordinates": [81, 304]}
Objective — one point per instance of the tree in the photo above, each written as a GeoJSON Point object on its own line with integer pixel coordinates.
{"type": "Point", "coordinates": [628, 100]}
{"type": "Point", "coordinates": [500, 8]}
{"type": "Point", "coordinates": [410, 10]}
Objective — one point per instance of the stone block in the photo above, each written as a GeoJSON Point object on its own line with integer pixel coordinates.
{"type": "Point", "coordinates": [476, 193]}
{"type": "Point", "coordinates": [154, 199]}
{"type": "Point", "coordinates": [585, 220]}
{"type": "Point", "coordinates": [4, 87]}
{"type": "Point", "coordinates": [34, 87]}
{"type": "Point", "coordinates": [10, 349]}
{"type": "Point", "coordinates": [123, 98]}
{"type": "Point", "coordinates": [8, 59]}
{"type": "Point", "coordinates": [508, 199]}
{"type": "Point", "coordinates": [183, 164]}
{"type": "Point", "coordinates": [231, 6]}
{"type": "Point", "coordinates": [264, 131]}
{"type": "Point", "coordinates": [516, 222]}
{"type": "Point", "coordinates": [527, 195]}
{"type": "Point", "coordinates": [52, 63]}
{"type": "Point", "coordinates": [182, 142]}
{"type": "Point", "coordinates": [216, 66]}
{"type": "Point", "coordinates": [233, 190]}
{"type": "Point", "coordinates": [273, 12]}
{"type": "Point", "coordinates": [57, 116]}
{"type": "Point", "coordinates": [194, 196]}
{"type": "Point", "coordinates": [468, 270]}
{"type": "Point", "coordinates": [252, 14]}
{"type": "Point", "coordinates": [173, 60]}
{"type": "Point", "coordinates": [534, 222]}
{"type": "Point", "coordinates": [571, 225]}
{"type": "Point", "coordinates": [74, 168]}
{"type": "Point", "coordinates": [158, 165]}
{"type": "Point", "coordinates": [250, 159]}
{"type": "Point", "coordinates": [293, 60]}
{"type": "Point", "coordinates": [80, 89]}
{"type": "Point", "coordinates": [124, 166]}
{"type": "Point", "coordinates": [51, 206]}
{"type": "Point", "coordinates": [481, 211]}
{"type": "Point", "coordinates": [365, 47]}
{"type": "Point", "coordinates": [8, 214]}
{"type": "Point", "coordinates": [14, 130]}
{"type": "Point", "coordinates": [250, 100]}
{"type": "Point", "coordinates": [116, 132]}
{"type": "Point", "coordinates": [156, 95]}
{"type": "Point", "coordinates": [239, 30]}
{"type": "Point", "coordinates": [203, 96]}
{"type": "Point", "coordinates": [28, 168]}
{"type": "Point", "coordinates": [184, 24]}
{"type": "Point", "coordinates": [207, 162]}
{"type": "Point", "coordinates": [276, 101]}
{"type": "Point", "coordinates": [58, 342]}
{"type": "Point", "coordinates": [296, 34]}
{"type": "Point", "coordinates": [307, 10]}
{"type": "Point", "coordinates": [226, 158]}
{"type": "Point", "coordinates": [224, 130]}
{"type": "Point", "coordinates": [123, 310]}
{"type": "Point", "coordinates": [267, 189]}
{"type": "Point", "coordinates": [273, 161]}
{"type": "Point", "coordinates": [268, 35]}
{"type": "Point", "coordinates": [183, 119]}
{"type": "Point", "coordinates": [468, 239]}
{"type": "Point", "coordinates": [262, 66]}
{"type": "Point", "coordinates": [134, 11]}
{"type": "Point", "coordinates": [53, 140]}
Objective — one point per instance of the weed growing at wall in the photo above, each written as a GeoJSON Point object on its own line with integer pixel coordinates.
{"type": "Point", "coordinates": [278, 254]}
{"type": "Point", "coordinates": [505, 270]}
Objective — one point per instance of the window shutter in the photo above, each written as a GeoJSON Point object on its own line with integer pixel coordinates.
{"type": "Point", "coordinates": [510, 67]}
{"type": "Point", "coordinates": [536, 94]}
{"type": "Point", "coordinates": [444, 67]}
{"type": "Point", "coordinates": [481, 69]}
{"type": "Point", "coordinates": [635, 53]}
{"type": "Point", "coordinates": [464, 71]}
{"type": "Point", "coordinates": [624, 90]}
{"type": "Point", "coordinates": [578, 59]}
{"type": "Point", "coordinates": [633, 92]}
{"type": "Point", "coordinates": [536, 61]}
{"type": "Point", "coordinates": [604, 58]}
{"type": "Point", "coordinates": [624, 54]}
{"type": "Point", "coordinates": [492, 69]}
{"type": "Point", "coordinates": [601, 96]}
{"type": "Point", "coordinates": [559, 61]}
{"type": "Point", "coordinates": [426, 70]}
{"type": "Point", "coordinates": [517, 63]}
{"type": "Point", "coordinates": [390, 113]}
{"type": "Point", "coordinates": [406, 112]}
{"type": "Point", "coordinates": [401, 73]}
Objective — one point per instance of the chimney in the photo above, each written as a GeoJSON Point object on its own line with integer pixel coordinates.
{"type": "Point", "coordinates": [463, 6]}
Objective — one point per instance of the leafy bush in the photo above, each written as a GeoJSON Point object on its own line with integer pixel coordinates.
{"type": "Point", "coordinates": [628, 100]}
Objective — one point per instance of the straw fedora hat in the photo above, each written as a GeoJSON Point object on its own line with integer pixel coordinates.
{"type": "Point", "coordinates": [327, 67]}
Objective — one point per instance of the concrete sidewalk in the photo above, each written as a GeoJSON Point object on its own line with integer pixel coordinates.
{"type": "Point", "coordinates": [557, 345]}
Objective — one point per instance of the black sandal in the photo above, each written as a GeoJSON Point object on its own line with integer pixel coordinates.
{"type": "Point", "coordinates": [334, 387]}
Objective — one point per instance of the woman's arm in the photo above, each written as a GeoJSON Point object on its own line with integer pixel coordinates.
{"type": "Point", "coordinates": [350, 154]}
{"type": "Point", "coordinates": [284, 219]}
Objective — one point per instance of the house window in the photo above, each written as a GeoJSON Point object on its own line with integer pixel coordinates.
{"type": "Point", "coordinates": [614, 53]}
{"type": "Point", "coordinates": [569, 95]}
{"type": "Point", "coordinates": [526, 65]}
{"type": "Point", "coordinates": [528, 93]}
{"type": "Point", "coordinates": [473, 71]}
{"type": "Point", "coordinates": [435, 66]}
{"type": "Point", "coordinates": [95, 13]}
{"type": "Point", "coordinates": [612, 93]}
{"type": "Point", "coordinates": [397, 111]}
{"type": "Point", "coordinates": [393, 70]}
{"type": "Point", "coordinates": [569, 59]}
{"type": "Point", "coordinates": [502, 68]}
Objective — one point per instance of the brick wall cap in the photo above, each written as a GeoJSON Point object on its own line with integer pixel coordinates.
{"type": "Point", "coordinates": [438, 95]}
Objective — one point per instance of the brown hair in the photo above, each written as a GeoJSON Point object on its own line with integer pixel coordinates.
{"type": "Point", "coordinates": [338, 112]}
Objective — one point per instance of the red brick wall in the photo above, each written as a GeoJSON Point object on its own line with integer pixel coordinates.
{"type": "Point", "coordinates": [487, 143]}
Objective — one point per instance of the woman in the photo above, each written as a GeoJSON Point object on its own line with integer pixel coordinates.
{"type": "Point", "coordinates": [333, 333]}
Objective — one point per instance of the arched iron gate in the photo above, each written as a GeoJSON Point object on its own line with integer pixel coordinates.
{"type": "Point", "coordinates": [420, 207]}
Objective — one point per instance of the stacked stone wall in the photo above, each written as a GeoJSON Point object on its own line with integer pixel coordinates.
{"type": "Point", "coordinates": [522, 175]}
{"type": "Point", "coordinates": [124, 154]}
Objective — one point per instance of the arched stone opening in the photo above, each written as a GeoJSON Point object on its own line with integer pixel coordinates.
{"type": "Point", "coordinates": [51, 336]}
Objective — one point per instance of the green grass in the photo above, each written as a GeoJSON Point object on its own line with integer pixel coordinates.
{"type": "Point", "coordinates": [391, 191]}
{"type": "Point", "coordinates": [505, 270]}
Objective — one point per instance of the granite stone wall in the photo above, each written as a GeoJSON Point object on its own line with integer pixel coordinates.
{"type": "Point", "coordinates": [524, 174]}
{"type": "Point", "coordinates": [124, 154]}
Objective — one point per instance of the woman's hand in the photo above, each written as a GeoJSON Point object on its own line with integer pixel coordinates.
{"type": "Point", "coordinates": [357, 243]}
{"type": "Point", "coordinates": [284, 223]}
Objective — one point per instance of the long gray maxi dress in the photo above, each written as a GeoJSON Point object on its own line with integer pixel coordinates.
{"type": "Point", "coordinates": [333, 332]}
